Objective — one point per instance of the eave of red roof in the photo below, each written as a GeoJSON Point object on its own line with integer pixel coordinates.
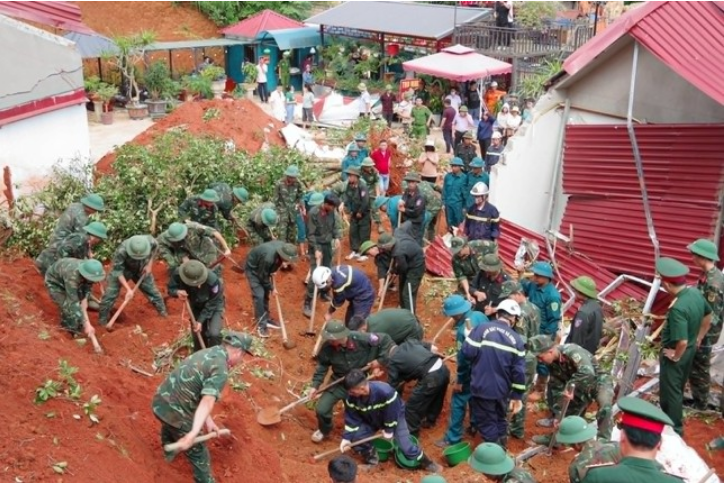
{"type": "Point", "coordinates": [62, 15]}
{"type": "Point", "coordinates": [265, 20]}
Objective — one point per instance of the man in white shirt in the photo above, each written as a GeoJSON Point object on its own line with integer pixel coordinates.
{"type": "Point", "coordinates": [455, 99]}
{"type": "Point", "coordinates": [262, 77]}
{"type": "Point", "coordinates": [364, 101]}
{"type": "Point", "coordinates": [462, 123]}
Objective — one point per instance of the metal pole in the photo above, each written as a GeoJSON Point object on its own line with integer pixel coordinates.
{"type": "Point", "coordinates": [596, 16]}
{"type": "Point", "coordinates": [557, 166]}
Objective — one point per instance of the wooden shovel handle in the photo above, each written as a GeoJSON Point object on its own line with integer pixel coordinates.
{"type": "Point", "coordinates": [193, 325]}
{"type": "Point", "coordinates": [279, 312]}
{"type": "Point", "coordinates": [337, 450]}
{"type": "Point", "coordinates": [441, 330]}
{"type": "Point", "coordinates": [172, 447]}
{"type": "Point", "coordinates": [319, 391]}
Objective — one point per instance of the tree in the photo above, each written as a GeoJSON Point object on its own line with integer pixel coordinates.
{"type": "Point", "coordinates": [533, 14]}
{"type": "Point", "coordinates": [226, 13]}
{"type": "Point", "coordinates": [129, 54]}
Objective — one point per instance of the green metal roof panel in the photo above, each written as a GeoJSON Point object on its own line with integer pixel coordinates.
{"type": "Point", "coordinates": [197, 44]}
{"type": "Point", "coordinates": [287, 39]}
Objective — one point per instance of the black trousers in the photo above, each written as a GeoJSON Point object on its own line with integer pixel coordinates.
{"type": "Point", "coordinates": [483, 144]}
{"type": "Point", "coordinates": [359, 231]}
{"type": "Point", "coordinates": [262, 91]}
{"type": "Point", "coordinates": [260, 297]}
{"type": "Point", "coordinates": [326, 250]}
{"type": "Point", "coordinates": [426, 401]}
{"type": "Point", "coordinates": [412, 277]}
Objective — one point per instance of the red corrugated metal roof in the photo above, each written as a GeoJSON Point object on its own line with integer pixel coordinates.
{"type": "Point", "coordinates": [264, 20]}
{"type": "Point", "coordinates": [697, 55]}
{"type": "Point", "coordinates": [62, 15]}
{"type": "Point", "coordinates": [683, 172]}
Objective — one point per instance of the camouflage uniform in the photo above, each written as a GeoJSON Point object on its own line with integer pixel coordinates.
{"type": "Point", "coordinates": [433, 205]}
{"type": "Point", "coordinates": [225, 205]}
{"type": "Point", "coordinates": [207, 304]}
{"type": "Point", "coordinates": [288, 200]}
{"type": "Point", "coordinates": [204, 373]}
{"type": "Point", "coordinates": [73, 219]}
{"type": "Point", "coordinates": [198, 244]}
{"type": "Point", "coordinates": [191, 209]}
{"type": "Point", "coordinates": [527, 326]}
{"type": "Point", "coordinates": [576, 365]}
{"type": "Point", "coordinates": [75, 245]}
{"type": "Point", "coordinates": [467, 268]}
{"type": "Point", "coordinates": [466, 152]}
{"type": "Point", "coordinates": [595, 452]}
{"type": "Point", "coordinates": [322, 230]}
{"type": "Point", "coordinates": [371, 178]}
{"type": "Point", "coordinates": [357, 202]}
{"type": "Point", "coordinates": [711, 285]}
{"type": "Point", "coordinates": [68, 288]}
{"type": "Point", "coordinates": [259, 232]}
{"type": "Point", "coordinates": [519, 475]}
{"type": "Point", "coordinates": [132, 270]}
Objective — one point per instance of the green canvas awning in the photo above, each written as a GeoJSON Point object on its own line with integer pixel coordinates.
{"type": "Point", "coordinates": [287, 39]}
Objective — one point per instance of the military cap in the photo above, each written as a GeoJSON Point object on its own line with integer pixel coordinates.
{"type": "Point", "coordinates": [455, 305]}
{"type": "Point", "coordinates": [491, 459]}
{"type": "Point", "coordinates": [456, 161]}
{"type": "Point", "coordinates": [457, 244]}
{"type": "Point", "coordinates": [511, 287]}
{"type": "Point", "coordinates": [489, 263]}
{"type": "Point", "coordinates": [463, 109]}
{"type": "Point", "coordinates": [361, 137]}
{"type": "Point", "coordinates": [335, 330]}
{"type": "Point", "coordinates": [238, 340]}
{"type": "Point", "coordinates": [640, 414]}
{"type": "Point", "coordinates": [671, 269]}
{"type": "Point", "coordinates": [210, 195]}
{"type": "Point", "coordinates": [586, 286]}
{"type": "Point", "coordinates": [540, 343]}
{"type": "Point", "coordinates": [362, 87]}
{"type": "Point", "coordinates": [477, 162]}
{"type": "Point", "coordinates": [286, 53]}
{"type": "Point", "coordinates": [332, 199]}
{"type": "Point", "coordinates": [138, 247]}
{"type": "Point", "coordinates": [380, 201]}
{"type": "Point", "coordinates": [574, 430]}
{"type": "Point", "coordinates": [269, 217]}
{"type": "Point", "coordinates": [353, 171]}
{"type": "Point", "coordinates": [543, 269]}
{"type": "Point", "coordinates": [412, 177]}
{"type": "Point", "coordinates": [388, 87]}
{"type": "Point", "coordinates": [367, 163]}
{"type": "Point", "coordinates": [292, 171]}
{"type": "Point", "coordinates": [433, 479]}
{"type": "Point", "coordinates": [386, 240]}
{"type": "Point", "coordinates": [94, 202]}
{"type": "Point", "coordinates": [704, 248]}
{"type": "Point", "coordinates": [177, 231]}
{"type": "Point", "coordinates": [193, 273]}
{"type": "Point", "coordinates": [316, 199]}
{"type": "Point", "coordinates": [468, 135]}
{"type": "Point", "coordinates": [92, 270]}
{"type": "Point", "coordinates": [97, 229]}
{"type": "Point", "coordinates": [288, 252]}
{"type": "Point", "coordinates": [366, 246]}
{"type": "Point", "coordinates": [240, 193]}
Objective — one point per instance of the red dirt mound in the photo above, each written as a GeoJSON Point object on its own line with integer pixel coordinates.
{"type": "Point", "coordinates": [240, 120]}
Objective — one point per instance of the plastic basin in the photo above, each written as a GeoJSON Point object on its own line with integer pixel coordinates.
{"type": "Point", "coordinates": [384, 448]}
{"type": "Point", "coordinates": [404, 462]}
{"type": "Point", "coordinates": [458, 453]}
{"type": "Point", "coordinates": [413, 440]}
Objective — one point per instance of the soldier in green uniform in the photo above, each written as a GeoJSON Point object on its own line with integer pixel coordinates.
{"type": "Point", "coordinates": [412, 206]}
{"type": "Point", "coordinates": [371, 177]}
{"type": "Point", "coordinates": [356, 200]}
{"type": "Point", "coordinates": [640, 439]}
{"type": "Point", "coordinates": [131, 260]}
{"type": "Point", "coordinates": [283, 69]}
{"type": "Point", "coordinates": [422, 119]}
{"type": "Point", "coordinates": [69, 281]}
{"type": "Point", "coordinates": [399, 324]}
{"type": "Point", "coordinates": [466, 151]}
{"type": "Point", "coordinates": [183, 403]}
{"type": "Point", "coordinates": [486, 287]}
{"type": "Point", "coordinates": [201, 209]}
{"type": "Point", "coordinates": [288, 195]}
{"type": "Point", "coordinates": [492, 460]}
{"type": "Point", "coordinates": [342, 351]}
{"type": "Point", "coordinates": [569, 363]}
{"type": "Point", "coordinates": [586, 327]}
{"type": "Point", "coordinates": [324, 232]}
{"type": "Point", "coordinates": [204, 290]}
{"type": "Point", "coordinates": [260, 223]}
{"type": "Point", "coordinates": [527, 326]}
{"type": "Point", "coordinates": [465, 261]}
{"type": "Point", "coordinates": [262, 262]}
{"type": "Point", "coordinates": [75, 217]}
{"type": "Point", "coordinates": [710, 283]}
{"type": "Point", "coordinates": [360, 141]}
{"type": "Point", "coordinates": [76, 245]}
{"type": "Point", "coordinates": [688, 320]}
{"type": "Point", "coordinates": [191, 241]}
{"type": "Point", "coordinates": [433, 206]}
{"type": "Point", "coordinates": [229, 198]}
{"type": "Point", "coordinates": [574, 431]}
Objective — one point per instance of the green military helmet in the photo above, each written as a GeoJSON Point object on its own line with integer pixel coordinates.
{"type": "Point", "coordinates": [352, 148]}
{"type": "Point", "coordinates": [455, 305]}
{"type": "Point", "coordinates": [353, 171]}
{"type": "Point", "coordinates": [210, 196]}
{"type": "Point", "coordinates": [335, 330]}
{"type": "Point", "coordinates": [269, 217]}
{"type": "Point", "coordinates": [94, 202]}
{"type": "Point", "coordinates": [468, 135]}
{"type": "Point", "coordinates": [574, 430]}
{"type": "Point", "coordinates": [266, 51]}
{"type": "Point", "coordinates": [193, 273]}
{"type": "Point", "coordinates": [292, 171]}
{"type": "Point", "coordinates": [177, 231]}
{"type": "Point", "coordinates": [366, 246]}
{"type": "Point", "coordinates": [368, 163]}
{"type": "Point", "coordinates": [457, 244]}
{"type": "Point", "coordinates": [241, 193]}
{"type": "Point", "coordinates": [386, 240]}
{"type": "Point", "coordinates": [641, 414]}
{"type": "Point", "coordinates": [138, 247]}
{"type": "Point", "coordinates": [463, 109]}
{"type": "Point", "coordinates": [362, 87]}
{"type": "Point", "coordinates": [96, 229]}
{"type": "Point", "coordinates": [380, 201]}
{"type": "Point", "coordinates": [316, 199]}
{"type": "Point", "coordinates": [412, 177]}
{"type": "Point", "coordinates": [489, 263]}
{"type": "Point", "coordinates": [433, 479]}
{"type": "Point", "coordinates": [456, 161]}
{"type": "Point", "coordinates": [92, 270]}
{"type": "Point", "coordinates": [477, 162]}
{"type": "Point", "coordinates": [491, 459]}
{"type": "Point", "coordinates": [705, 249]}
{"type": "Point", "coordinates": [543, 269]}
{"type": "Point", "coordinates": [360, 137]}
{"type": "Point", "coordinates": [586, 286]}
{"type": "Point", "coordinates": [670, 268]}
{"type": "Point", "coordinates": [510, 287]}
{"type": "Point", "coordinates": [238, 340]}
{"type": "Point", "coordinates": [539, 344]}
{"type": "Point", "coordinates": [288, 252]}
{"type": "Point", "coordinates": [388, 87]}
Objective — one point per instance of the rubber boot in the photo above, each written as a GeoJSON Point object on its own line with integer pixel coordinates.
{"type": "Point", "coordinates": [429, 465]}
{"type": "Point", "coordinates": [503, 441]}
{"type": "Point", "coordinates": [307, 308]}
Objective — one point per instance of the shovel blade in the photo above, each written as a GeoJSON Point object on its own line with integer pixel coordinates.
{"type": "Point", "coordinates": [269, 416]}
{"type": "Point", "coordinates": [289, 344]}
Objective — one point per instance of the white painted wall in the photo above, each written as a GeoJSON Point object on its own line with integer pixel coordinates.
{"type": "Point", "coordinates": [32, 146]}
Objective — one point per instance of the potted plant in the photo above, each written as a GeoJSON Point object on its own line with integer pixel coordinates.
{"type": "Point", "coordinates": [106, 93]}
{"type": "Point", "coordinates": [157, 79]}
{"type": "Point", "coordinates": [129, 53]}
{"type": "Point", "coordinates": [91, 85]}
{"type": "Point", "coordinates": [249, 71]}
{"type": "Point", "coordinates": [218, 79]}
{"type": "Point", "coordinates": [196, 85]}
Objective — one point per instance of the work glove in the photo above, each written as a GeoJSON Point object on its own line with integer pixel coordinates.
{"type": "Point", "coordinates": [388, 436]}
{"type": "Point", "coordinates": [345, 445]}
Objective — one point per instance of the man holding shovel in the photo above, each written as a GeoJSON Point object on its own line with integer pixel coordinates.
{"type": "Point", "coordinates": [260, 223]}
{"type": "Point", "coordinates": [201, 209]}
{"type": "Point", "coordinates": [400, 324]}
{"type": "Point", "coordinates": [76, 245]}
{"type": "Point", "coordinates": [229, 198]}
{"type": "Point", "coordinates": [288, 195]}
{"type": "Point", "coordinates": [348, 284]}
{"type": "Point", "coordinates": [183, 403]}
{"type": "Point", "coordinates": [182, 242]}
{"type": "Point", "coordinates": [132, 261]}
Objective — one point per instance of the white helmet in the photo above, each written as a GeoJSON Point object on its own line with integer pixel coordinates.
{"type": "Point", "coordinates": [321, 276]}
{"type": "Point", "coordinates": [510, 307]}
{"type": "Point", "coordinates": [479, 189]}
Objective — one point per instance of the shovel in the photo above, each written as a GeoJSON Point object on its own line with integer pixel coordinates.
{"type": "Point", "coordinates": [174, 447]}
{"type": "Point", "coordinates": [337, 450]}
{"type": "Point", "coordinates": [286, 343]}
{"type": "Point", "coordinates": [310, 332]}
{"type": "Point", "coordinates": [235, 266]}
{"type": "Point", "coordinates": [96, 345]}
{"type": "Point", "coordinates": [109, 325]}
{"type": "Point", "coordinates": [441, 330]}
{"type": "Point", "coordinates": [385, 286]}
{"type": "Point", "coordinates": [562, 414]}
{"type": "Point", "coordinates": [199, 338]}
